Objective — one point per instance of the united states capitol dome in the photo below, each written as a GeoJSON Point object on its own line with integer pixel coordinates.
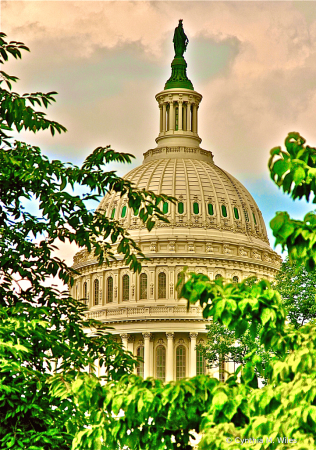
{"type": "Point", "coordinates": [215, 228]}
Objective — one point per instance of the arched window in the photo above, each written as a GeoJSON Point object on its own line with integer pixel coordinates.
{"type": "Point", "coordinates": [140, 364]}
{"type": "Point", "coordinates": [125, 282]}
{"type": "Point", "coordinates": [224, 211]}
{"type": "Point", "coordinates": [113, 213]}
{"type": "Point", "coordinates": [180, 208]}
{"type": "Point", "coordinates": [218, 276]}
{"type": "Point", "coordinates": [85, 293]}
{"type": "Point", "coordinates": [109, 298]}
{"type": "Point", "coordinates": [200, 363]}
{"type": "Point", "coordinates": [162, 285]}
{"type": "Point", "coordinates": [196, 208]}
{"type": "Point", "coordinates": [210, 209]}
{"type": "Point", "coordinates": [235, 279]}
{"type": "Point", "coordinates": [161, 362]}
{"type": "Point", "coordinates": [123, 213]}
{"type": "Point", "coordinates": [96, 291]}
{"type": "Point", "coordinates": [180, 285]}
{"type": "Point", "coordinates": [180, 362]}
{"type": "Point", "coordinates": [143, 286]}
{"type": "Point", "coordinates": [236, 213]}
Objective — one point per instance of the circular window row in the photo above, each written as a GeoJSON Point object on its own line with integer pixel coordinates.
{"type": "Point", "coordinates": [196, 210]}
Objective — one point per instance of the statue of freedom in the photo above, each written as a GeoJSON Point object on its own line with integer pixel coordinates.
{"type": "Point", "coordinates": [180, 40]}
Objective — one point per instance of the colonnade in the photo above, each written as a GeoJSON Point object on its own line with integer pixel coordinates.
{"type": "Point", "coordinates": [178, 116]}
{"type": "Point", "coordinates": [170, 354]}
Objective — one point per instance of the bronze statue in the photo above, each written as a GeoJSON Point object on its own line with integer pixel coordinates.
{"type": "Point", "coordinates": [180, 40]}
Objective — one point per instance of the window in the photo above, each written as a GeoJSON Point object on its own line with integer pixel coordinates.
{"type": "Point", "coordinates": [236, 213]}
{"type": "Point", "coordinates": [180, 285]}
{"type": "Point", "coordinates": [165, 208]}
{"type": "Point", "coordinates": [254, 218]}
{"type": "Point", "coordinates": [221, 369]}
{"type": "Point", "coordinates": [113, 213]}
{"type": "Point", "coordinates": [196, 208]}
{"type": "Point", "coordinates": [85, 293]}
{"type": "Point", "coordinates": [235, 279]}
{"type": "Point", "coordinates": [218, 276]}
{"type": "Point", "coordinates": [96, 291]}
{"type": "Point", "coordinates": [162, 285]}
{"type": "Point", "coordinates": [246, 215]}
{"type": "Point", "coordinates": [110, 290]}
{"type": "Point", "coordinates": [200, 363]}
{"type": "Point", "coordinates": [176, 118]}
{"type": "Point", "coordinates": [161, 362]}
{"type": "Point", "coordinates": [140, 364]}
{"type": "Point", "coordinates": [224, 211]}
{"type": "Point", "coordinates": [180, 362]}
{"type": "Point", "coordinates": [210, 209]}
{"type": "Point", "coordinates": [125, 288]}
{"type": "Point", "coordinates": [180, 208]}
{"type": "Point", "coordinates": [143, 286]}
{"type": "Point", "coordinates": [123, 213]}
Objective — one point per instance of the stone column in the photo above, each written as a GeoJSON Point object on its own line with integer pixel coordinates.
{"type": "Point", "coordinates": [163, 117]}
{"type": "Point", "coordinates": [169, 365]}
{"type": "Point", "coordinates": [194, 118]}
{"type": "Point", "coordinates": [146, 354]}
{"type": "Point", "coordinates": [171, 116]}
{"type": "Point", "coordinates": [180, 116]}
{"type": "Point", "coordinates": [188, 116]}
{"type": "Point", "coordinates": [124, 338]}
{"type": "Point", "coordinates": [192, 368]}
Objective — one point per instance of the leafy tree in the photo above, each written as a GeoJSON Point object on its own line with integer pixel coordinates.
{"type": "Point", "coordinates": [42, 329]}
{"type": "Point", "coordinates": [227, 415]}
{"type": "Point", "coordinates": [297, 287]}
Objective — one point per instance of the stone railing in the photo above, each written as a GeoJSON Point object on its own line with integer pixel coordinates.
{"type": "Point", "coordinates": [144, 312]}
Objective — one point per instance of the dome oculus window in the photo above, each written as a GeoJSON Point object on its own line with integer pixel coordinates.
{"type": "Point", "coordinates": [165, 208]}
{"type": "Point", "coordinates": [235, 279]}
{"type": "Point", "coordinates": [218, 276]}
{"type": "Point", "coordinates": [196, 208]}
{"type": "Point", "coordinates": [236, 213]}
{"type": "Point", "coordinates": [123, 213]}
{"type": "Point", "coordinates": [180, 208]}
{"type": "Point", "coordinates": [224, 211]}
{"type": "Point", "coordinates": [210, 209]}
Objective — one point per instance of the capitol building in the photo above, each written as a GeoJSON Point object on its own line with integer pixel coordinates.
{"type": "Point", "coordinates": [215, 228]}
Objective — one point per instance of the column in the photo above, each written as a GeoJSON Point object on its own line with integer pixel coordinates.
{"type": "Point", "coordinates": [180, 116]}
{"type": "Point", "coordinates": [124, 338]}
{"type": "Point", "coordinates": [171, 116]}
{"type": "Point", "coordinates": [146, 354]}
{"type": "Point", "coordinates": [163, 117]}
{"type": "Point", "coordinates": [184, 125]}
{"type": "Point", "coordinates": [188, 116]}
{"type": "Point", "coordinates": [194, 118]}
{"type": "Point", "coordinates": [169, 362]}
{"type": "Point", "coordinates": [192, 368]}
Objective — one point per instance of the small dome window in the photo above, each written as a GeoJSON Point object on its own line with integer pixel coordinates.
{"type": "Point", "coordinates": [218, 276]}
{"type": "Point", "coordinates": [165, 208]}
{"type": "Point", "coordinates": [236, 213]}
{"type": "Point", "coordinates": [180, 208]}
{"type": "Point", "coordinates": [113, 213]}
{"type": "Point", "coordinates": [224, 211]}
{"type": "Point", "coordinates": [246, 215]}
{"type": "Point", "coordinates": [123, 214]}
{"type": "Point", "coordinates": [254, 218]}
{"type": "Point", "coordinates": [196, 208]}
{"type": "Point", "coordinates": [235, 279]}
{"type": "Point", "coordinates": [210, 209]}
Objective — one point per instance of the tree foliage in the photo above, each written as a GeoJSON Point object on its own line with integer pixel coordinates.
{"type": "Point", "coordinates": [42, 329]}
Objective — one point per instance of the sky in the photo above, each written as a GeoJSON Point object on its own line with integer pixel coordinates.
{"type": "Point", "coordinates": [253, 62]}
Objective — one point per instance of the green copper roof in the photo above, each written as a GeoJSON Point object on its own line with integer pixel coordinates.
{"type": "Point", "coordinates": [179, 77]}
